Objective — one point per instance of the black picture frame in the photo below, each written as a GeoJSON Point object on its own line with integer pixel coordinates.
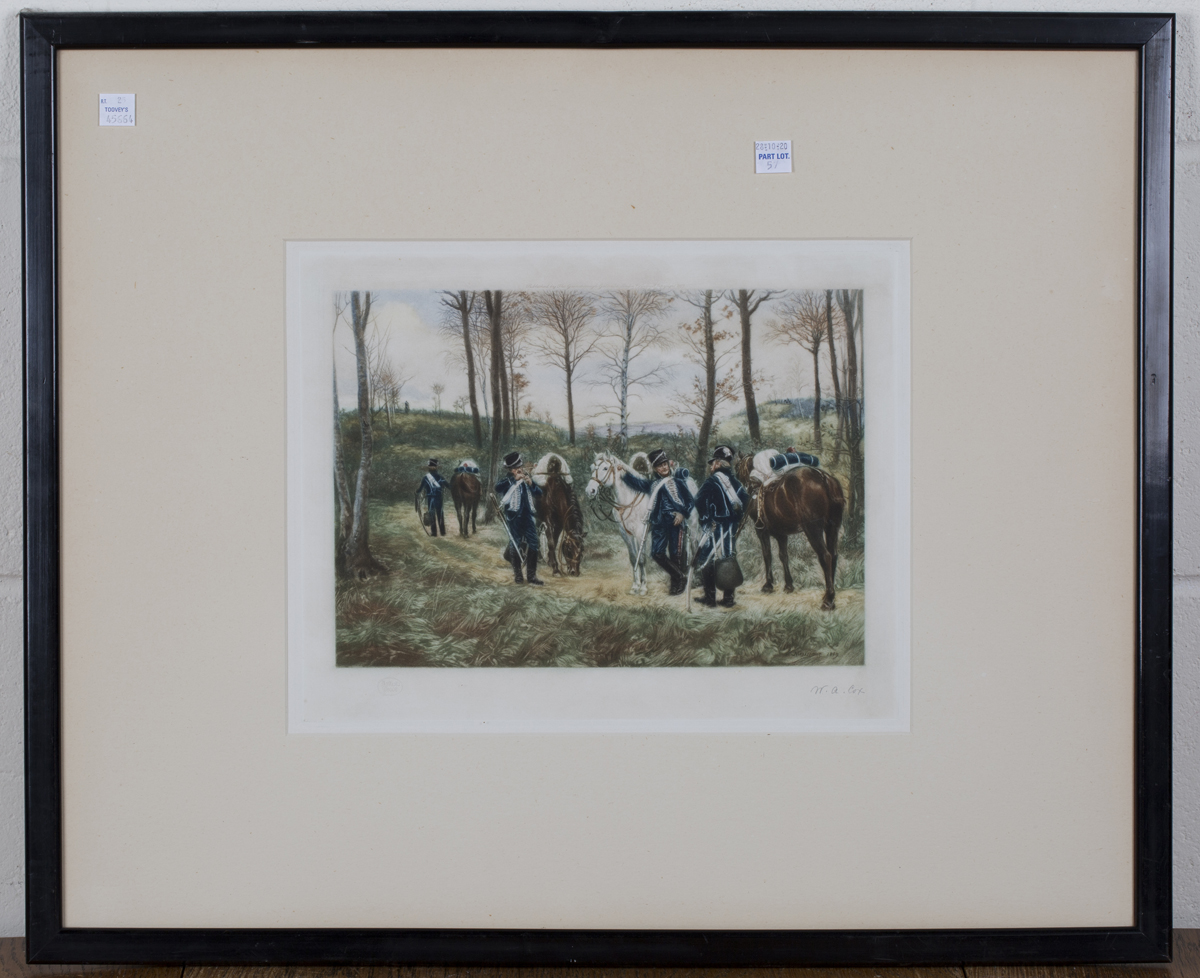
{"type": "Point", "coordinates": [1151, 36]}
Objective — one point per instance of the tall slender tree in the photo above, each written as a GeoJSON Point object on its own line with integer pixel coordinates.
{"type": "Point", "coordinates": [804, 323]}
{"type": "Point", "coordinates": [850, 303]}
{"type": "Point", "coordinates": [358, 561]}
{"type": "Point", "coordinates": [463, 303]}
{"type": "Point", "coordinates": [747, 302]}
{"type": "Point", "coordinates": [494, 302]}
{"type": "Point", "coordinates": [341, 483]}
{"type": "Point", "coordinates": [514, 328]}
{"type": "Point", "coordinates": [634, 328]}
{"type": "Point", "coordinates": [566, 338]}
{"type": "Point", "coordinates": [705, 341]}
{"type": "Point", "coordinates": [833, 363]}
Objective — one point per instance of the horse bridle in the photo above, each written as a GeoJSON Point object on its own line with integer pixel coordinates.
{"type": "Point", "coordinates": [612, 464]}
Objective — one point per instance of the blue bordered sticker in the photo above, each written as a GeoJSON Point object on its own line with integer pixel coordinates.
{"type": "Point", "coordinates": [773, 156]}
{"type": "Point", "coordinates": [118, 110]}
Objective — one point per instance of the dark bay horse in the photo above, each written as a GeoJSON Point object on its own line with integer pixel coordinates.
{"type": "Point", "coordinates": [466, 491]}
{"type": "Point", "coordinates": [806, 500]}
{"type": "Point", "coordinates": [559, 513]}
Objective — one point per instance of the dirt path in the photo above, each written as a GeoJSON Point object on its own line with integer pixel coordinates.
{"type": "Point", "coordinates": [603, 578]}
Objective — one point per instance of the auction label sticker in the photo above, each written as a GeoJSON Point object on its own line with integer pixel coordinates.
{"type": "Point", "coordinates": [117, 110]}
{"type": "Point", "coordinates": [773, 156]}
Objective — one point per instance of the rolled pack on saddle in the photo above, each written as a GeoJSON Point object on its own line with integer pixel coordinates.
{"type": "Point", "coordinates": [467, 465]}
{"type": "Point", "coordinates": [770, 464]}
{"type": "Point", "coordinates": [551, 464]}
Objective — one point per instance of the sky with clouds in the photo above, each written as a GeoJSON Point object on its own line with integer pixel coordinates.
{"type": "Point", "coordinates": [409, 325]}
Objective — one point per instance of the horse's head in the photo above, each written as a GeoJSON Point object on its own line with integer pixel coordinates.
{"type": "Point", "coordinates": [572, 551]}
{"type": "Point", "coordinates": [604, 473]}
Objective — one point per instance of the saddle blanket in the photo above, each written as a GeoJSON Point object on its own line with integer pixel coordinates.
{"type": "Point", "coordinates": [771, 464]}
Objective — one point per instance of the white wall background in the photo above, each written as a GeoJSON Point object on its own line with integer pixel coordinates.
{"type": "Point", "coordinates": [1187, 389]}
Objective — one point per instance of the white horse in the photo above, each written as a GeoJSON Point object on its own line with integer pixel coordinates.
{"type": "Point", "coordinates": [630, 511]}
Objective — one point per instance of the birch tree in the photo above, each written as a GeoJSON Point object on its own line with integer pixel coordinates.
{"type": "Point", "coordinates": [633, 318]}
{"type": "Point", "coordinates": [357, 559]}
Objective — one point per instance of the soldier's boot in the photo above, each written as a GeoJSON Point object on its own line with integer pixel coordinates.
{"type": "Point", "coordinates": [668, 565]}
{"type": "Point", "coordinates": [516, 566]}
{"type": "Point", "coordinates": [708, 577]}
{"type": "Point", "coordinates": [682, 571]}
{"type": "Point", "coordinates": [727, 599]}
{"type": "Point", "coordinates": [531, 568]}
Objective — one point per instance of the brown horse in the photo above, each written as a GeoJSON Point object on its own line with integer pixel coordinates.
{"type": "Point", "coordinates": [466, 491]}
{"type": "Point", "coordinates": [805, 500]}
{"type": "Point", "coordinates": [561, 518]}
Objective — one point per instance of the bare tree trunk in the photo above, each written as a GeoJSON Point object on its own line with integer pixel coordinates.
{"type": "Point", "coordinates": [742, 300]}
{"type": "Point", "coordinates": [506, 431]}
{"type": "Point", "coordinates": [710, 385]}
{"type": "Point", "coordinates": [837, 387]}
{"type": "Point", "coordinates": [626, 356]}
{"type": "Point", "coordinates": [494, 302]}
{"type": "Point", "coordinates": [464, 307]}
{"type": "Point", "coordinates": [359, 561]}
{"type": "Point", "coordinates": [514, 410]}
{"type": "Point", "coordinates": [345, 512]}
{"type": "Point", "coordinates": [570, 404]}
{"type": "Point", "coordinates": [848, 300]}
{"type": "Point", "coordinates": [816, 352]}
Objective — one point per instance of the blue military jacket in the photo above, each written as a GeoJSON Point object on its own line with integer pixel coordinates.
{"type": "Point", "coordinates": [669, 495]}
{"type": "Point", "coordinates": [719, 514]}
{"type": "Point", "coordinates": [714, 503]}
{"type": "Point", "coordinates": [432, 486]}
{"type": "Point", "coordinates": [516, 499]}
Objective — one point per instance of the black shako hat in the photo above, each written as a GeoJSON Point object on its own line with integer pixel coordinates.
{"type": "Point", "coordinates": [658, 457]}
{"type": "Point", "coordinates": [722, 453]}
{"type": "Point", "coordinates": [433, 463]}
{"type": "Point", "coordinates": [513, 460]}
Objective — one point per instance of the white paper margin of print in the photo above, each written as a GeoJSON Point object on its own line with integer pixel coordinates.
{"type": "Point", "coordinates": [755, 699]}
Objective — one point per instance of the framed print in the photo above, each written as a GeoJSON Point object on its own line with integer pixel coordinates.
{"type": "Point", "coordinates": [643, 348]}
{"type": "Point", "coordinates": [600, 489]}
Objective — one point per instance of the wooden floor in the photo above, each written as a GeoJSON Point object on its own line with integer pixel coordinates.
{"type": "Point", "coordinates": [1185, 965]}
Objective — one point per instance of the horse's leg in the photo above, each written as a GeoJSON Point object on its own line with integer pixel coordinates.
{"type": "Point", "coordinates": [474, 510]}
{"type": "Point", "coordinates": [458, 512]}
{"type": "Point", "coordinates": [631, 546]}
{"type": "Point", "coordinates": [764, 540]}
{"type": "Point", "coordinates": [816, 537]}
{"type": "Point", "coordinates": [552, 537]}
{"type": "Point", "coordinates": [781, 541]}
{"type": "Point", "coordinates": [831, 545]}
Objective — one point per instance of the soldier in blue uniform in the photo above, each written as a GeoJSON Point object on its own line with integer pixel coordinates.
{"type": "Point", "coordinates": [517, 492]}
{"type": "Point", "coordinates": [671, 504]}
{"type": "Point", "coordinates": [433, 487]}
{"type": "Point", "coordinates": [720, 504]}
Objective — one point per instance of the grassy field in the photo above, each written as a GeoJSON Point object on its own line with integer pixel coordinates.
{"type": "Point", "coordinates": [450, 601]}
